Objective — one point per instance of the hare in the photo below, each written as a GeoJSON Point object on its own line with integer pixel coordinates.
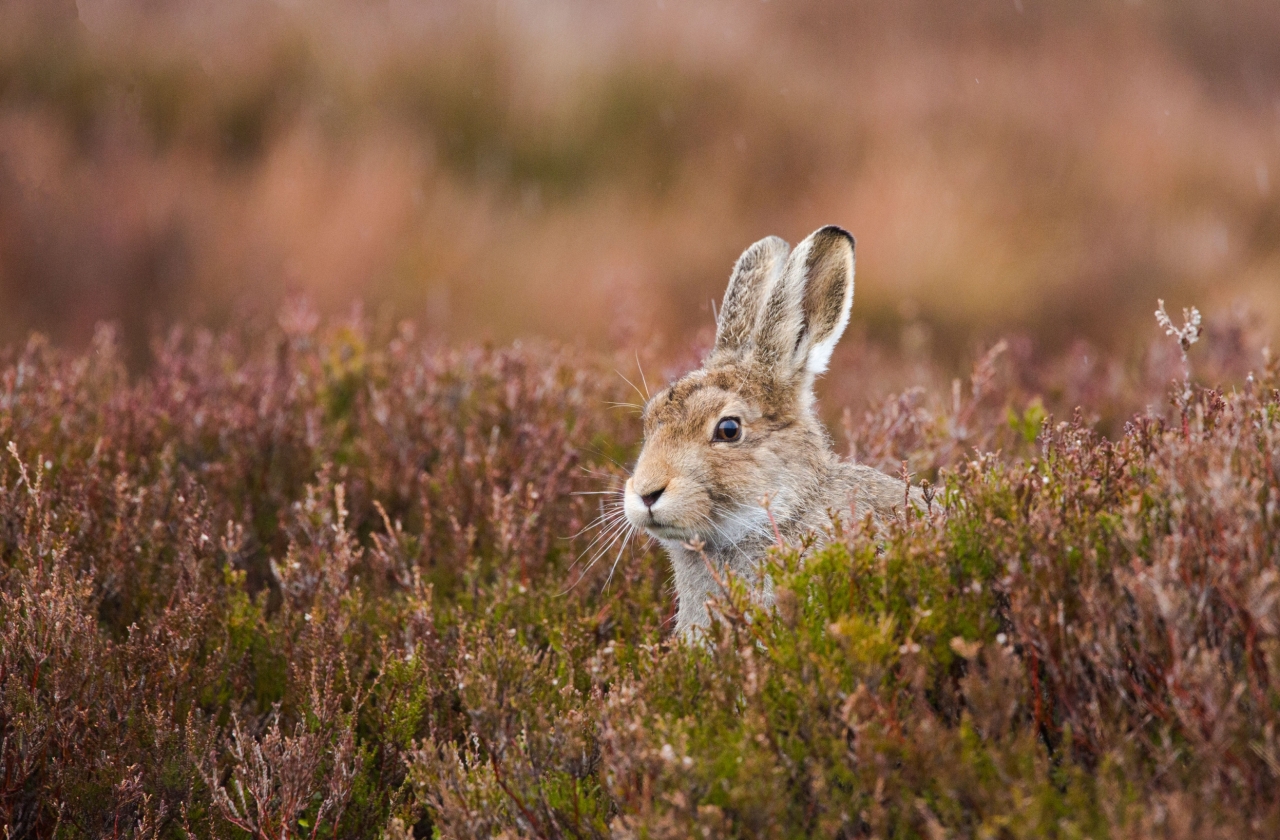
{"type": "Point", "coordinates": [742, 429]}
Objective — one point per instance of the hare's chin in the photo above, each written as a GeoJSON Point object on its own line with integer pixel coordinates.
{"type": "Point", "coordinates": [669, 532]}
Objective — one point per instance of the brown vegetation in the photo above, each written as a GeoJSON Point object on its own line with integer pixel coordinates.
{"type": "Point", "coordinates": [325, 582]}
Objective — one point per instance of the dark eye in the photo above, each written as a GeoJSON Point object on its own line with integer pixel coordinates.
{"type": "Point", "coordinates": [729, 430]}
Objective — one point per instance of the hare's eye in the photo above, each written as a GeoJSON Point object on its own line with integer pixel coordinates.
{"type": "Point", "coordinates": [729, 430]}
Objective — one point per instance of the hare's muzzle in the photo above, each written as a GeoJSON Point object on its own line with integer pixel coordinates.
{"type": "Point", "coordinates": [646, 505]}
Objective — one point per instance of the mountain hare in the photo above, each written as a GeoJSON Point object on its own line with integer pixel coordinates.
{"type": "Point", "coordinates": [722, 439]}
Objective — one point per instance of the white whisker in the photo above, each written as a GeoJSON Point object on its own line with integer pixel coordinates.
{"type": "Point", "coordinates": [607, 519]}
{"type": "Point", "coordinates": [626, 542]}
{"type": "Point", "coordinates": [618, 534]}
{"type": "Point", "coordinates": [640, 368]}
{"type": "Point", "coordinates": [633, 385]}
{"type": "Point", "coordinates": [615, 533]}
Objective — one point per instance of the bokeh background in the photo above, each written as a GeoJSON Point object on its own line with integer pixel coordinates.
{"type": "Point", "coordinates": [588, 171]}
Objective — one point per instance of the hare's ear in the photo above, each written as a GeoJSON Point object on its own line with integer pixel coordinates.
{"type": "Point", "coordinates": [753, 279]}
{"type": "Point", "coordinates": [808, 307]}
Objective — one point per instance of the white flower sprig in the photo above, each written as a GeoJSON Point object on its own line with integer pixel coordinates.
{"type": "Point", "coordinates": [1187, 335]}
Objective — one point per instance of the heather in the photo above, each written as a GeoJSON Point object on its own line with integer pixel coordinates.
{"type": "Point", "coordinates": [330, 578]}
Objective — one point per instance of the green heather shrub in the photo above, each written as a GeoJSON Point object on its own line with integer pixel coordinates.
{"type": "Point", "coordinates": [325, 583]}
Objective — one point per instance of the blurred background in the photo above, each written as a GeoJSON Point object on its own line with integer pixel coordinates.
{"type": "Point", "coordinates": [588, 171]}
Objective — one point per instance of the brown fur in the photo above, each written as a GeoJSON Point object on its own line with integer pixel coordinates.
{"type": "Point", "coordinates": [782, 314]}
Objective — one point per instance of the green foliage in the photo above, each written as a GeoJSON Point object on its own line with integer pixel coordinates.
{"type": "Point", "coordinates": [331, 590]}
{"type": "Point", "coordinates": [1028, 423]}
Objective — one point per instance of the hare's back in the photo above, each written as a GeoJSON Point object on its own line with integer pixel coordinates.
{"type": "Point", "coordinates": [868, 489]}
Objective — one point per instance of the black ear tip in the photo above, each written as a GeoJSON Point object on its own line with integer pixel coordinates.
{"type": "Point", "coordinates": [835, 232]}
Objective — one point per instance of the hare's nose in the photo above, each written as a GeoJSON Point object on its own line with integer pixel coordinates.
{"type": "Point", "coordinates": [651, 499]}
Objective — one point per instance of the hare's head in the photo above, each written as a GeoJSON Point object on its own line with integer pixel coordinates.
{"type": "Point", "coordinates": [742, 427]}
